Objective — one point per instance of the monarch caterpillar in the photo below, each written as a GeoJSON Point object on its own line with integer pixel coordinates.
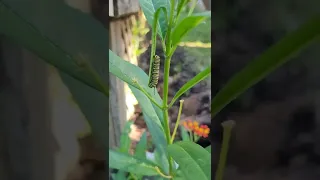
{"type": "Point", "coordinates": [154, 73]}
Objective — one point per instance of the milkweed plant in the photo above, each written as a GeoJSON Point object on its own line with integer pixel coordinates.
{"type": "Point", "coordinates": [173, 159]}
{"type": "Point", "coordinates": [87, 79]}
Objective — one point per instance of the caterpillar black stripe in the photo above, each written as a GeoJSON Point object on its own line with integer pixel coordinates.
{"type": "Point", "coordinates": [154, 76]}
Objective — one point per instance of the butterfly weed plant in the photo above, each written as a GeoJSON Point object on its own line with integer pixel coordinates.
{"type": "Point", "coordinates": [193, 161]}
{"type": "Point", "coordinates": [78, 51]}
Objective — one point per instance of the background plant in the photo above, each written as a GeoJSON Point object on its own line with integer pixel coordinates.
{"type": "Point", "coordinates": [82, 63]}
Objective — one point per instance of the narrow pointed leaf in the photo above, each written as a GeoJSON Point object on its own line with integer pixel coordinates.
{"type": "Point", "coordinates": [21, 22]}
{"type": "Point", "coordinates": [142, 146]}
{"type": "Point", "coordinates": [267, 62]}
{"type": "Point", "coordinates": [186, 25]}
{"type": "Point", "coordinates": [195, 80]}
{"type": "Point", "coordinates": [125, 140]}
{"type": "Point", "coordinates": [61, 35]}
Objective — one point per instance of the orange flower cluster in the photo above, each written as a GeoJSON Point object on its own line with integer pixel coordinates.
{"type": "Point", "coordinates": [202, 130]}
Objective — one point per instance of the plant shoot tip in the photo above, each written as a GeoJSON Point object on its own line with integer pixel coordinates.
{"type": "Point", "coordinates": [228, 124]}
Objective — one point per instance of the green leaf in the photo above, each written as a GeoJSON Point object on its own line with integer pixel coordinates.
{"type": "Point", "coordinates": [195, 80]}
{"type": "Point", "coordinates": [129, 73]}
{"type": "Point", "coordinates": [113, 176]}
{"type": "Point", "coordinates": [133, 75]}
{"type": "Point", "coordinates": [125, 140]}
{"type": "Point", "coordinates": [149, 8]}
{"type": "Point", "coordinates": [184, 134]}
{"type": "Point", "coordinates": [208, 149]}
{"type": "Point", "coordinates": [61, 35]}
{"type": "Point", "coordinates": [157, 156]}
{"type": "Point", "coordinates": [185, 26]}
{"type": "Point", "coordinates": [153, 115]}
{"type": "Point", "coordinates": [194, 161]}
{"type": "Point", "coordinates": [121, 175]}
{"type": "Point", "coordinates": [181, 4]}
{"type": "Point", "coordinates": [154, 125]}
{"type": "Point", "coordinates": [267, 62]}
{"type": "Point", "coordinates": [131, 164]}
{"type": "Point", "coordinates": [58, 38]}
{"type": "Point", "coordinates": [160, 178]}
{"type": "Point", "coordinates": [142, 146]}
{"type": "Point", "coordinates": [179, 175]}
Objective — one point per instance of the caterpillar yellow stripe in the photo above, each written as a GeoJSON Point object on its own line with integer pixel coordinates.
{"type": "Point", "coordinates": [154, 75]}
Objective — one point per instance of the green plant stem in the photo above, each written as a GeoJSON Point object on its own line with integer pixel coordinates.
{"type": "Point", "coordinates": [194, 4]}
{"type": "Point", "coordinates": [177, 122]}
{"type": "Point", "coordinates": [166, 84]}
{"type": "Point", "coordinates": [181, 4]}
{"type": "Point", "coordinates": [168, 41]}
{"type": "Point", "coordinates": [227, 128]}
{"type": "Point", "coordinates": [161, 174]}
{"type": "Point", "coordinates": [163, 46]}
{"type": "Point", "coordinates": [149, 96]}
{"type": "Point", "coordinates": [191, 136]}
{"type": "Point", "coordinates": [165, 106]}
{"type": "Point", "coordinates": [165, 97]}
{"type": "Point", "coordinates": [195, 137]}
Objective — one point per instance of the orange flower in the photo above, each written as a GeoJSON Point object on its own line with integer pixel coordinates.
{"type": "Point", "coordinates": [189, 125]}
{"type": "Point", "coordinates": [202, 130]}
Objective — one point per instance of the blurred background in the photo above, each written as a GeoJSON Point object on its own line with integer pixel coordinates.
{"type": "Point", "coordinates": [278, 122]}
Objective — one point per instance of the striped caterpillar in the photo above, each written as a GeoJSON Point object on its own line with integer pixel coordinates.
{"type": "Point", "coordinates": [154, 75]}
